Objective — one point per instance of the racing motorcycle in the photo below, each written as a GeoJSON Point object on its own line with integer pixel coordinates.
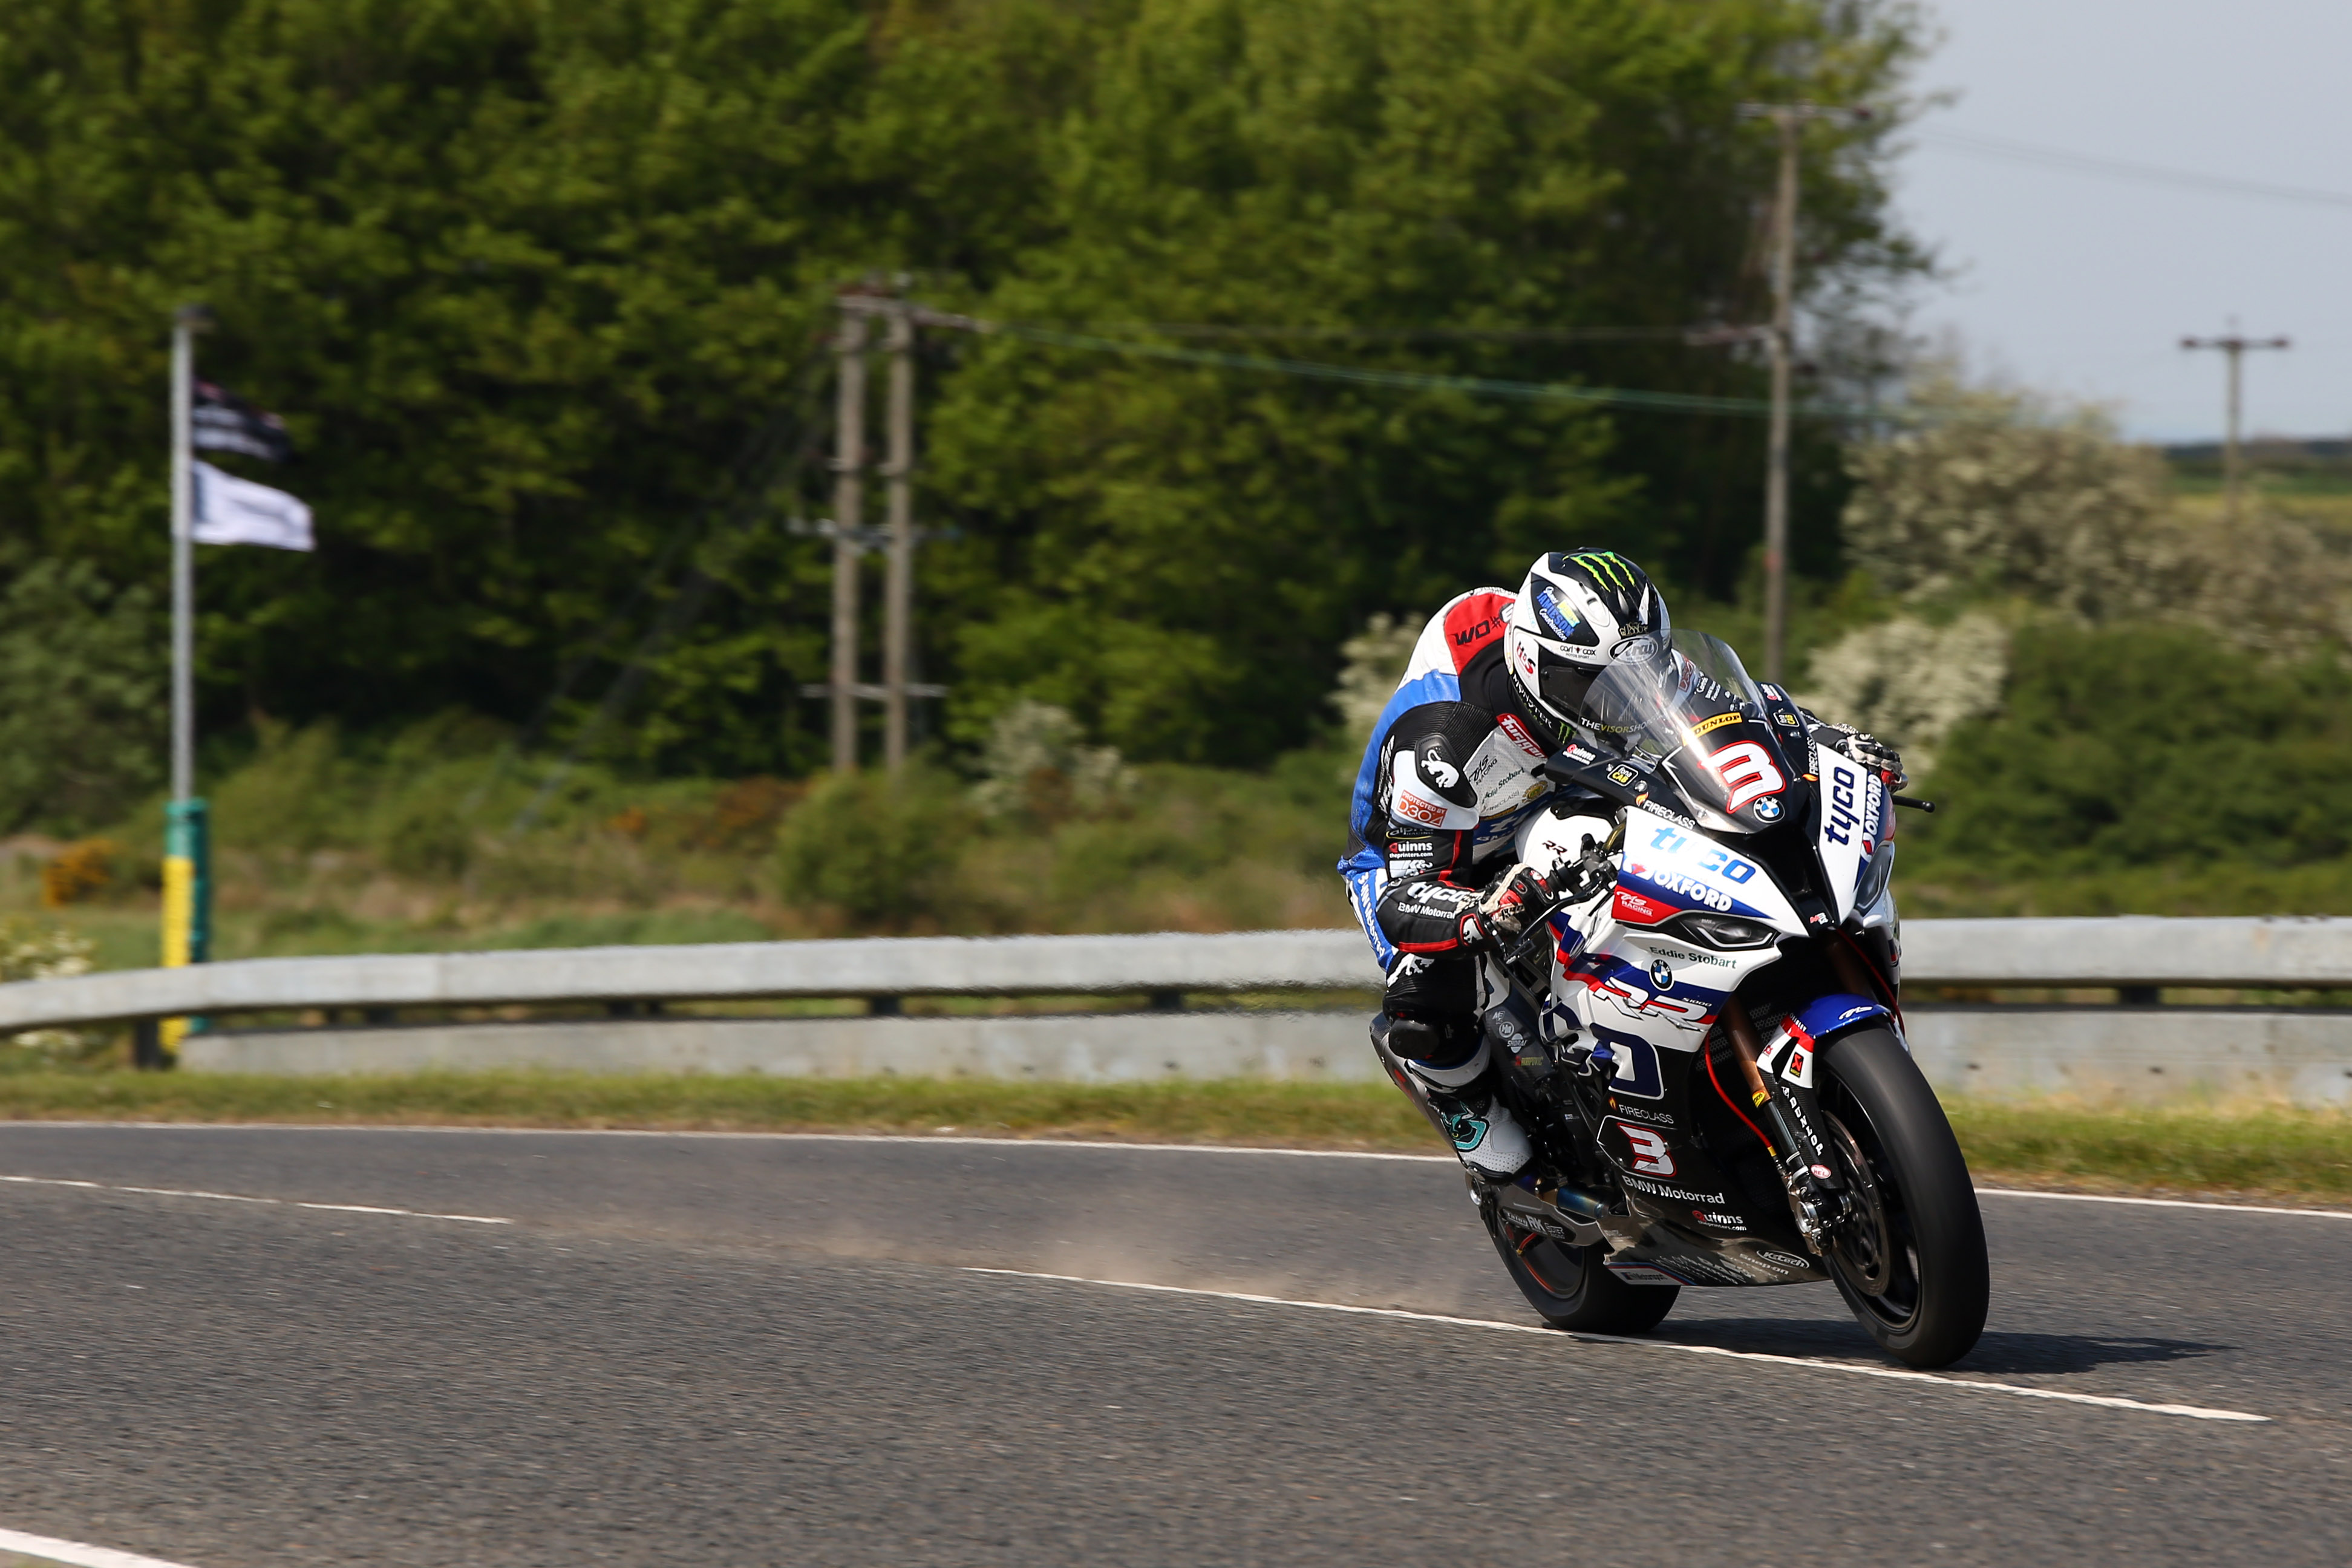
{"type": "Point", "coordinates": [1711, 1065]}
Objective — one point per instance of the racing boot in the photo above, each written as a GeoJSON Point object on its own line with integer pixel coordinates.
{"type": "Point", "coordinates": [1486, 1137]}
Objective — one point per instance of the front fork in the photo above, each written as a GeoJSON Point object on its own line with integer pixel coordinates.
{"type": "Point", "coordinates": [1817, 1194]}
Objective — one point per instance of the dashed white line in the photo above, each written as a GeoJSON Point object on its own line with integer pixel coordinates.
{"type": "Point", "coordinates": [74, 1551]}
{"type": "Point", "coordinates": [2022, 1391]}
{"type": "Point", "coordinates": [997, 1143]}
{"type": "Point", "coordinates": [242, 1198]}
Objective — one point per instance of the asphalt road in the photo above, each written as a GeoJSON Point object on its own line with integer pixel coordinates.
{"type": "Point", "coordinates": [735, 1351]}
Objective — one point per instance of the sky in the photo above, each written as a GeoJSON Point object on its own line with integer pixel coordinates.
{"type": "Point", "coordinates": [2084, 284]}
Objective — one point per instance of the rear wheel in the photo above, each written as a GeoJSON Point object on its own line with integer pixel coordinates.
{"type": "Point", "coordinates": [1910, 1257]}
{"type": "Point", "coordinates": [1571, 1287]}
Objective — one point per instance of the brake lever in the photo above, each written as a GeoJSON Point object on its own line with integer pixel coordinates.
{"type": "Point", "coordinates": [1915, 804]}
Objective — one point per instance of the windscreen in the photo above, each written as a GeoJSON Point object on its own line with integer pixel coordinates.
{"type": "Point", "coordinates": [1687, 710]}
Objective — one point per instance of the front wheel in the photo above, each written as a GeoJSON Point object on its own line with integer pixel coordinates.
{"type": "Point", "coordinates": [1571, 1287]}
{"type": "Point", "coordinates": [1910, 1257]}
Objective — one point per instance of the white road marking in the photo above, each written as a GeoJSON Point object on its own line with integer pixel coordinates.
{"type": "Point", "coordinates": [993, 1143]}
{"type": "Point", "coordinates": [2157, 1203]}
{"type": "Point", "coordinates": [241, 1198]}
{"type": "Point", "coordinates": [2193, 1412]}
{"type": "Point", "coordinates": [74, 1551]}
{"type": "Point", "coordinates": [999, 1142]}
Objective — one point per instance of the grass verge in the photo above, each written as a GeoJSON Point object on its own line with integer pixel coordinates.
{"type": "Point", "coordinates": [2245, 1151]}
{"type": "Point", "coordinates": [1239, 1111]}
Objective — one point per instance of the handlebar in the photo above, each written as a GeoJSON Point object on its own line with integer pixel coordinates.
{"type": "Point", "coordinates": [1915, 804]}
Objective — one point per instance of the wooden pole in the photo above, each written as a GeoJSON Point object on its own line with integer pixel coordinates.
{"type": "Point", "coordinates": [897, 633]}
{"type": "Point", "coordinates": [848, 509]}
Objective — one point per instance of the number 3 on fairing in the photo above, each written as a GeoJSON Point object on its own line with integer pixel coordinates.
{"type": "Point", "coordinates": [1647, 1154]}
{"type": "Point", "coordinates": [1650, 1156]}
{"type": "Point", "coordinates": [1748, 772]}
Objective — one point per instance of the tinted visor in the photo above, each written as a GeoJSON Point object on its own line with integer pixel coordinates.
{"type": "Point", "coordinates": [1563, 686]}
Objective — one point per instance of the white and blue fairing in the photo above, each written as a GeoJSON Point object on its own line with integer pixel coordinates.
{"type": "Point", "coordinates": [1852, 843]}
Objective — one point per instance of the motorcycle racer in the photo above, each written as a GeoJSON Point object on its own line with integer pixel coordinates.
{"type": "Point", "coordinates": [1497, 682]}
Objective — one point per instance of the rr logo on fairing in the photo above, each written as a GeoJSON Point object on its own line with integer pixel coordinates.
{"type": "Point", "coordinates": [1682, 1012]}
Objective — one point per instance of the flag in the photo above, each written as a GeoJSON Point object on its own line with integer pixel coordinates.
{"type": "Point", "coordinates": [230, 511]}
{"type": "Point", "coordinates": [221, 421]}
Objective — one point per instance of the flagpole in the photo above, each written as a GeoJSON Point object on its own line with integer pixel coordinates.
{"type": "Point", "coordinates": [185, 323]}
{"type": "Point", "coordinates": [187, 886]}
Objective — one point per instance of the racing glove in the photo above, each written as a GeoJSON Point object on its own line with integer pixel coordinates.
{"type": "Point", "coordinates": [1512, 899]}
{"type": "Point", "coordinates": [1877, 754]}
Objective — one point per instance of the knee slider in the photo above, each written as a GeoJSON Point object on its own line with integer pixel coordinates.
{"type": "Point", "coordinates": [1434, 1043]}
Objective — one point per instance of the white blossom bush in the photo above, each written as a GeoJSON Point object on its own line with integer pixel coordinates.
{"type": "Point", "coordinates": [1994, 498]}
{"type": "Point", "coordinates": [1375, 659]}
{"type": "Point", "coordinates": [1038, 760]}
{"type": "Point", "coordinates": [1911, 682]}
{"type": "Point", "coordinates": [29, 950]}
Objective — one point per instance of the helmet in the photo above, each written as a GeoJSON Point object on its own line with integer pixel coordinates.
{"type": "Point", "coordinates": [1576, 613]}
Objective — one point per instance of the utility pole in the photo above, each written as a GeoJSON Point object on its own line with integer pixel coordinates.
{"type": "Point", "coordinates": [2235, 346]}
{"type": "Point", "coordinates": [898, 627]}
{"type": "Point", "coordinates": [848, 506]}
{"type": "Point", "coordinates": [851, 539]}
{"type": "Point", "coordinates": [1789, 119]}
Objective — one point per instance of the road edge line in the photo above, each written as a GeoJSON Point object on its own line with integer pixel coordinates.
{"type": "Point", "coordinates": [2022, 1391]}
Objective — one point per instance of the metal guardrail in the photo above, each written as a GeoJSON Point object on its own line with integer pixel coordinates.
{"type": "Point", "coordinates": [878, 966]}
{"type": "Point", "coordinates": [2280, 953]}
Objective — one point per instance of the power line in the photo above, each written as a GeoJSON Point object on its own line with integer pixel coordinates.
{"type": "Point", "coordinates": [2120, 168]}
{"type": "Point", "coordinates": [1701, 335]}
{"type": "Point", "coordinates": [1403, 380]}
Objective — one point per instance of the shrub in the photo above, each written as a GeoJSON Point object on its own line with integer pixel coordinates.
{"type": "Point", "coordinates": [875, 851]}
{"type": "Point", "coordinates": [2130, 747]}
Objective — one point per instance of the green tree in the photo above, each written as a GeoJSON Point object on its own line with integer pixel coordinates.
{"type": "Point", "coordinates": [543, 293]}
{"type": "Point", "coordinates": [81, 699]}
{"type": "Point", "coordinates": [531, 284]}
{"type": "Point", "coordinates": [1173, 552]}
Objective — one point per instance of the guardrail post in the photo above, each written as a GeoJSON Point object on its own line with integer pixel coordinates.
{"type": "Point", "coordinates": [147, 1045]}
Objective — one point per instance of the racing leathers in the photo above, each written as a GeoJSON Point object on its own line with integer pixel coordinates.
{"type": "Point", "coordinates": [1446, 790]}
{"type": "Point", "coordinates": [1455, 840]}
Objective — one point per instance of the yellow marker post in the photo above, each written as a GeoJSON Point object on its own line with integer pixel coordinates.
{"type": "Point", "coordinates": [188, 901]}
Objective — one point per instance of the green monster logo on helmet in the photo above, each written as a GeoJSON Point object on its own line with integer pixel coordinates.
{"type": "Point", "coordinates": [1610, 567]}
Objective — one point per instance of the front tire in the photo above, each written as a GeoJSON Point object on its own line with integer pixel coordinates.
{"type": "Point", "coordinates": [1570, 1286]}
{"type": "Point", "coordinates": [1911, 1259]}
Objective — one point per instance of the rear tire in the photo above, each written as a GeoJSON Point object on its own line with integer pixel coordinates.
{"type": "Point", "coordinates": [1911, 1263]}
{"type": "Point", "coordinates": [1570, 1286]}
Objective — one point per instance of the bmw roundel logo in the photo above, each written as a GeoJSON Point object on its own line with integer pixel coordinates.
{"type": "Point", "coordinates": [1767, 810]}
{"type": "Point", "coordinates": [1662, 975]}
